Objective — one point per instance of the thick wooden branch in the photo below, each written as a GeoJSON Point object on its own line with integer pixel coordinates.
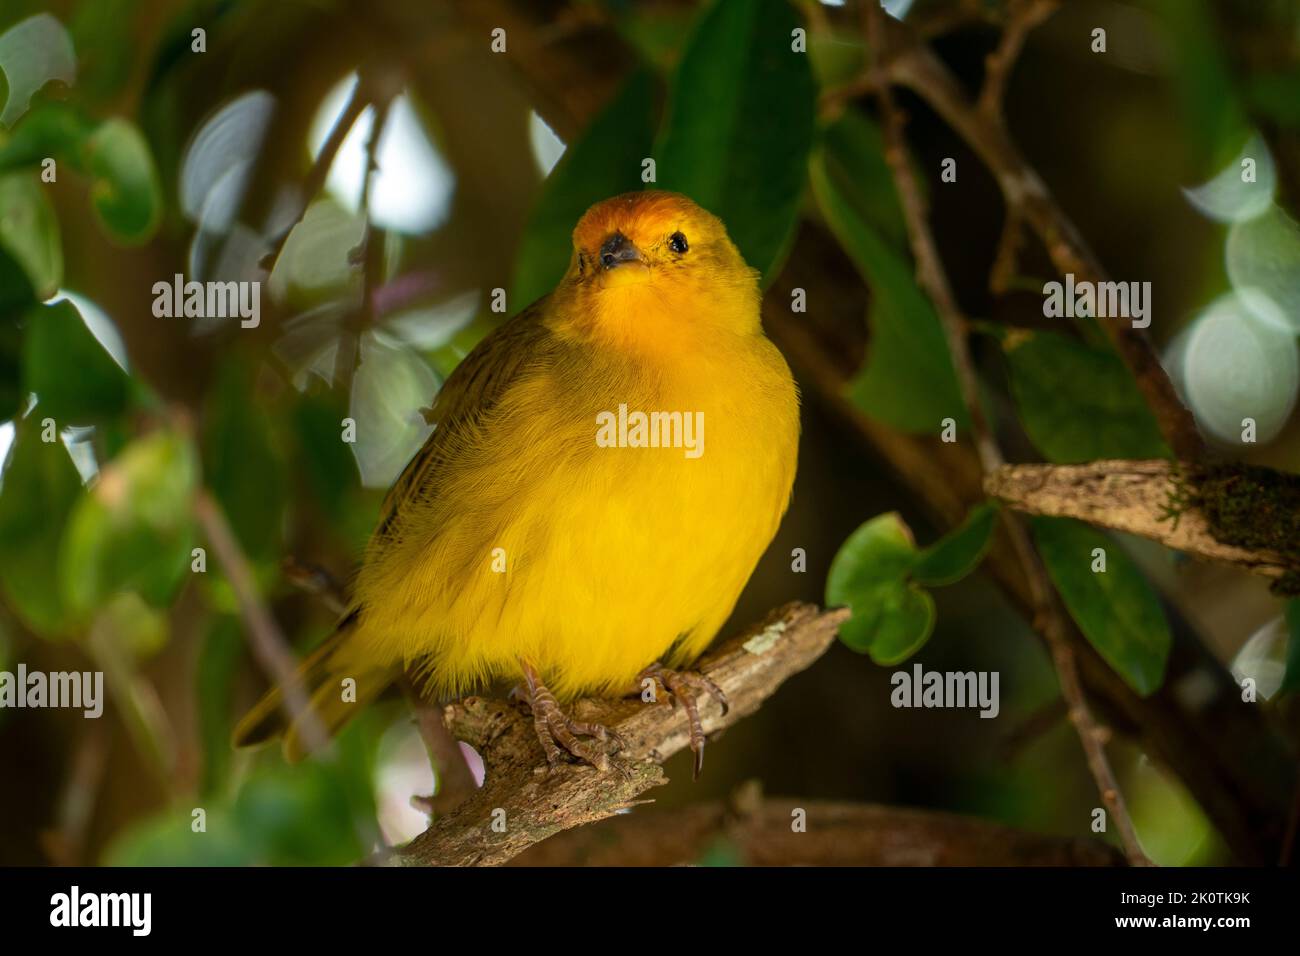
{"type": "Point", "coordinates": [1138, 497]}
{"type": "Point", "coordinates": [523, 802]}
{"type": "Point", "coordinates": [836, 834]}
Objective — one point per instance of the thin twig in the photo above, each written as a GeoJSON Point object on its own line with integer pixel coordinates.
{"type": "Point", "coordinates": [451, 773]}
{"type": "Point", "coordinates": [369, 254]}
{"type": "Point", "coordinates": [268, 644]}
{"type": "Point", "coordinates": [1022, 17]}
{"type": "Point", "coordinates": [319, 172]}
{"type": "Point", "coordinates": [934, 280]}
{"type": "Point", "coordinates": [902, 57]}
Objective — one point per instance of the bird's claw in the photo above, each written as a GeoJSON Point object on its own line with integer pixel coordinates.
{"type": "Point", "coordinates": [678, 685]}
{"type": "Point", "coordinates": [558, 734]}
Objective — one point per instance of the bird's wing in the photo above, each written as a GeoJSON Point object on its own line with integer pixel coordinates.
{"type": "Point", "coordinates": [476, 385]}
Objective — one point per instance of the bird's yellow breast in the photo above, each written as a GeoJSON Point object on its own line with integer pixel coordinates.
{"type": "Point", "coordinates": [543, 539]}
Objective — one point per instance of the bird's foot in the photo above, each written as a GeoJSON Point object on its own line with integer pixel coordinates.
{"type": "Point", "coordinates": [555, 730]}
{"type": "Point", "coordinates": [684, 686]}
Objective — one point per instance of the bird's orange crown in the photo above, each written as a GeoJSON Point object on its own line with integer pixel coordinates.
{"type": "Point", "coordinates": [653, 267]}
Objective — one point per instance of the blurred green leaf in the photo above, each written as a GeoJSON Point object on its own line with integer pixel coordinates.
{"type": "Point", "coordinates": [1117, 610]}
{"type": "Point", "coordinates": [299, 816]}
{"type": "Point", "coordinates": [29, 231]}
{"type": "Point", "coordinates": [315, 264]}
{"type": "Point", "coordinates": [125, 190]}
{"type": "Point", "coordinates": [891, 617]}
{"type": "Point", "coordinates": [53, 130]}
{"type": "Point", "coordinates": [222, 652]}
{"type": "Point", "coordinates": [853, 156]}
{"type": "Point", "coordinates": [32, 53]}
{"type": "Point", "coordinates": [244, 468]}
{"type": "Point", "coordinates": [959, 552]}
{"type": "Point", "coordinates": [391, 385]}
{"type": "Point", "coordinates": [1276, 95]}
{"type": "Point", "coordinates": [329, 470]}
{"type": "Point", "coordinates": [170, 840]}
{"type": "Point", "coordinates": [104, 32]}
{"type": "Point", "coordinates": [603, 162]}
{"type": "Point", "coordinates": [739, 124]}
{"type": "Point", "coordinates": [75, 380]}
{"type": "Point", "coordinates": [909, 381]}
{"type": "Point", "coordinates": [1213, 117]}
{"type": "Point", "coordinates": [40, 489]}
{"type": "Point", "coordinates": [133, 529]}
{"type": "Point", "coordinates": [1079, 403]}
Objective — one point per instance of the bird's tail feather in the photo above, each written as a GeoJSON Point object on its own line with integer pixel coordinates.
{"type": "Point", "coordinates": [330, 705]}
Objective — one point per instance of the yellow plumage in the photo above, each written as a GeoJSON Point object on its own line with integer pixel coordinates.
{"type": "Point", "coordinates": [613, 557]}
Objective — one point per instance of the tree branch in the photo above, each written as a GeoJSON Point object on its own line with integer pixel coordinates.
{"type": "Point", "coordinates": [1138, 497]}
{"type": "Point", "coordinates": [1023, 16]}
{"type": "Point", "coordinates": [837, 834]}
{"type": "Point", "coordinates": [907, 60]}
{"type": "Point", "coordinates": [269, 647]}
{"type": "Point", "coordinates": [529, 803]}
{"type": "Point", "coordinates": [1055, 625]}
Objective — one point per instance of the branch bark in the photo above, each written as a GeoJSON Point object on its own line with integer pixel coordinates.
{"type": "Point", "coordinates": [837, 834]}
{"type": "Point", "coordinates": [1131, 496]}
{"type": "Point", "coordinates": [529, 803]}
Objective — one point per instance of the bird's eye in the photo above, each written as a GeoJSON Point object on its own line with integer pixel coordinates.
{"type": "Point", "coordinates": [677, 243]}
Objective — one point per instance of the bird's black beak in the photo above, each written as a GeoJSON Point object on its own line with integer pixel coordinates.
{"type": "Point", "coordinates": [618, 249]}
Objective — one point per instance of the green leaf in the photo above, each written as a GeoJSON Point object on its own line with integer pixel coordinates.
{"type": "Point", "coordinates": [52, 130]}
{"type": "Point", "coordinates": [300, 816]}
{"type": "Point", "coordinates": [244, 467]}
{"type": "Point", "coordinates": [909, 381]}
{"type": "Point", "coordinates": [75, 380]}
{"type": "Point", "coordinates": [133, 530]}
{"type": "Point", "coordinates": [853, 155]}
{"type": "Point", "coordinates": [740, 124]}
{"type": "Point", "coordinates": [104, 32]}
{"type": "Point", "coordinates": [1079, 403]}
{"type": "Point", "coordinates": [1291, 676]}
{"type": "Point", "coordinates": [29, 231]}
{"type": "Point", "coordinates": [892, 618]}
{"type": "Point", "coordinates": [32, 53]}
{"type": "Point", "coordinates": [40, 489]}
{"type": "Point", "coordinates": [170, 840]}
{"type": "Point", "coordinates": [125, 190]}
{"type": "Point", "coordinates": [1202, 80]}
{"type": "Point", "coordinates": [1116, 609]}
{"type": "Point", "coordinates": [959, 552]}
{"type": "Point", "coordinates": [215, 675]}
{"type": "Point", "coordinates": [603, 162]}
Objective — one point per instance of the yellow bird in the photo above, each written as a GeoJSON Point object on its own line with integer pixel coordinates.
{"type": "Point", "coordinates": [605, 471]}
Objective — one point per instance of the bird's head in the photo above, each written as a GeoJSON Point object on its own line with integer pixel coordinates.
{"type": "Point", "coordinates": [654, 263]}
